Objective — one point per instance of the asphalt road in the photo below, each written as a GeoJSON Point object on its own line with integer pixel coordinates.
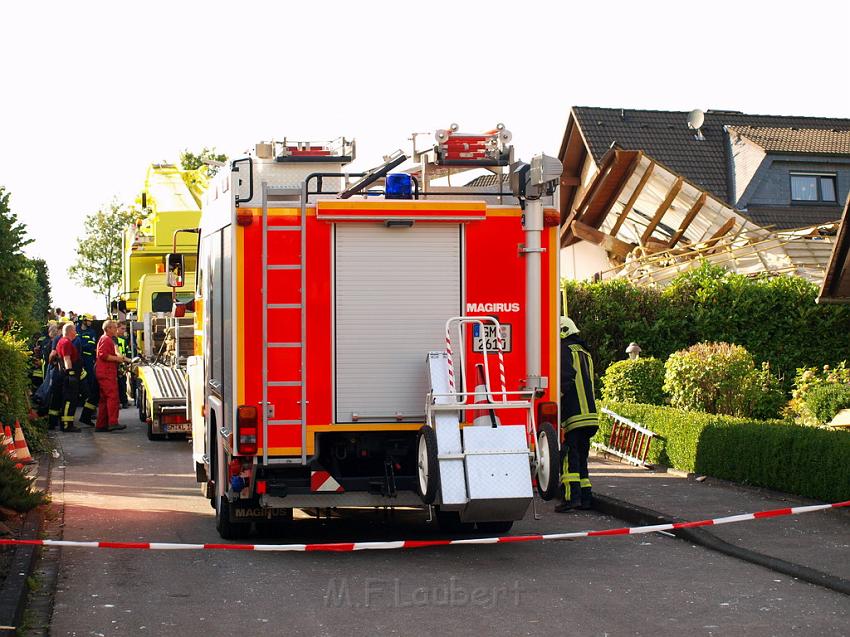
{"type": "Point", "coordinates": [120, 486]}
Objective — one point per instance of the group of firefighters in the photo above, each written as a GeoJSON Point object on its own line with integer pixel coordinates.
{"type": "Point", "coordinates": [75, 364]}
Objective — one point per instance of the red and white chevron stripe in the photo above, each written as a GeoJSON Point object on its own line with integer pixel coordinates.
{"type": "Point", "coordinates": [343, 547]}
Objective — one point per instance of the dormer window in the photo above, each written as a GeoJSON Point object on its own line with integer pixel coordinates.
{"type": "Point", "coordinates": [813, 188]}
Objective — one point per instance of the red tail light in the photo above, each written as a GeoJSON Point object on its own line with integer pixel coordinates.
{"type": "Point", "coordinates": [548, 412]}
{"type": "Point", "coordinates": [246, 429]}
{"type": "Point", "coordinates": [173, 419]}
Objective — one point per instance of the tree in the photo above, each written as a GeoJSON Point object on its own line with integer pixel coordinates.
{"type": "Point", "coordinates": [16, 287]}
{"type": "Point", "coordinates": [99, 256]}
{"type": "Point", "coordinates": [42, 301]}
{"type": "Point", "coordinates": [192, 161]}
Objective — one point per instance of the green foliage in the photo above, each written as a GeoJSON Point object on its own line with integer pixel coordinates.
{"type": "Point", "coordinates": [35, 433]}
{"type": "Point", "coordinates": [99, 256]}
{"type": "Point", "coordinates": [824, 401]}
{"type": "Point", "coordinates": [194, 161]}
{"type": "Point", "coordinates": [762, 396]}
{"type": "Point", "coordinates": [634, 381]}
{"type": "Point", "coordinates": [708, 377]}
{"type": "Point", "coordinates": [14, 380]}
{"type": "Point", "coordinates": [16, 279]}
{"type": "Point", "coordinates": [811, 379]}
{"type": "Point", "coordinates": [42, 302]}
{"type": "Point", "coordinates": [16, 490]}
{"type": "Point", "coordinates": [803, 460]}
{"type": "Point", "coordinates": [776, 318]}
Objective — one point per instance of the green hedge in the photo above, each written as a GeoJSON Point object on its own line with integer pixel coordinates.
{"type": "Point", "coordinates": [803, 460]}
{"type": "Point", "coordinates": [14, 380]}
{"type": "Point", "coordinates": [776, 318]}
{"type": "Point", "coordinates": [634, 381]}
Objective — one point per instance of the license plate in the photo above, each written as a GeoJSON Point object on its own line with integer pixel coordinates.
{"type": "Point", "coordinates": [181, 427]}
{"type": "Point", "coordinates": [486, 335]}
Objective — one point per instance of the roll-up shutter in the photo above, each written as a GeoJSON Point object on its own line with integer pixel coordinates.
{"type": "Point", "coordinates": [395, 289]}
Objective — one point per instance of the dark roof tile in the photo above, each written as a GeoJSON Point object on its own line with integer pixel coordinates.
{"type": "Point", "coordinates": [664, 136]}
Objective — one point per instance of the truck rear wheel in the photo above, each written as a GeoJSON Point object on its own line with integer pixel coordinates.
{"type": "Point", "coordinates": [495, 528]}
{"type": "Point", "coordinates": [426, 459]}
{"type": "Point", "coordinates": [548, 468]}
{"type": "Point", "coordinates": [449, 522]}
{"type": "Point", "coordinates": [226, 529]}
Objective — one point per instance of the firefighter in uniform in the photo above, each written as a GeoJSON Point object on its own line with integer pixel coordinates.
{"type": "Point", "coordinates": [71, 364]}
{"type": "Point", "coordinates": [121, 347]}
{"type": "Point", "coordinates": [580, 420]}
{"type": "Point", "coordinates": [88, 336]}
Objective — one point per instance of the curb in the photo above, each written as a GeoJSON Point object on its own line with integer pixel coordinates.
{"type": "Point", "coordinates": [15, 591]}
{"type": "Point", "coordinates": [634, 514]}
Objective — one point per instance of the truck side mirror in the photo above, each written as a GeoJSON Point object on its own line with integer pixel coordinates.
{"type": "Point", "coordinates": [175, 270]}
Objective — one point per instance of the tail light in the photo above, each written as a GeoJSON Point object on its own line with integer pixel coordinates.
{"type": "Point", "coordinates": [173, 419]}
{"type": "Point", "coordinates": [548, 412]}
{"type": "Point", "coordinates": [246, 428]}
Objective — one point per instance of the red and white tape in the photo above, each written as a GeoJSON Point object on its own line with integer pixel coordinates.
{"type": "Point", "coordinates": [415, 544]}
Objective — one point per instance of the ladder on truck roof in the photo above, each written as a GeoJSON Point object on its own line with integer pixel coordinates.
{"type": "Point", "coordinates": [293, 194]}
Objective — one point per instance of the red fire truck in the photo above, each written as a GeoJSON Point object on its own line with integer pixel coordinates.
{"type": "Point", "coordinates": [377, 339]}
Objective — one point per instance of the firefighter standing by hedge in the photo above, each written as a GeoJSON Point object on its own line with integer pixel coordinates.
{"type": "Point", "coordinates": [88, 336]}
{"type": "Point", "coordinates": [579, 417]}
{"type": "Point", "coordinates": [65, 400]}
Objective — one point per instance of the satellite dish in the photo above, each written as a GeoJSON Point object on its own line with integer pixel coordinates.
{"type": "Point", "coordinates": [695, 119]}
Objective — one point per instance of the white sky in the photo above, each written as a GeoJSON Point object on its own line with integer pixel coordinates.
{"type": "Point", "coordinates": [92, 92]}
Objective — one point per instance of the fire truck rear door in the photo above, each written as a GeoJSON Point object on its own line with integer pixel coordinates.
{"type": "Point", "coordinates": [394, 290]}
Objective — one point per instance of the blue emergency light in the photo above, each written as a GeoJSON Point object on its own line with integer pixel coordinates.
{"type": "Point", "coordinates": [399, 186]}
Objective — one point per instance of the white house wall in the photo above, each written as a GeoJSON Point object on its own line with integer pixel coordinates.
{"type": "Point", "coordinates": [582, 260]}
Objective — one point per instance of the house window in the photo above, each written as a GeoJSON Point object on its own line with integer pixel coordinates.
{"type": "Point", "coordinates": [813, 188]}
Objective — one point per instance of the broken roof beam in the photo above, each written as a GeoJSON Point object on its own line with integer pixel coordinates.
{"type": "Point", "coordinates": [664, 207]}
{"type": "Point", "coordinates": [604, 168]}
{"type": "Point", "coordinates": [612, 244]}
{"type": "Point", "coordinates": [631, 202]}
{"type": "Point", "coordinates": [721, 232]}
{"type": "Point", "coordinates": [689, 217]}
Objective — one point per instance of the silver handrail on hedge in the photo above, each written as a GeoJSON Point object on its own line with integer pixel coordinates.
{"type": "Point", "coordinates": [628, 440]}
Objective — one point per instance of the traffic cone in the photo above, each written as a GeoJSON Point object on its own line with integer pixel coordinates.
{"type": "Point", "coordinates": [21, 449]}
{"type": "Point", "coordinates": [9, 444]}
{"type": "Point", "coordinates": [482, 417]}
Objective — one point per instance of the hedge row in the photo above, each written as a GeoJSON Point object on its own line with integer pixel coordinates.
{"type": "Point", "coordinates": [776, 318]}
{"type": "Point", "coordinates": [803, 460]}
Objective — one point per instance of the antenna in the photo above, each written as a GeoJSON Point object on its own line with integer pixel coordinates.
{"type": "Point", "coordinates": [696, 118]}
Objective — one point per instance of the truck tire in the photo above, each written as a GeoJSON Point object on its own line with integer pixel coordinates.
{"type": "Point", "coordinates": [494, 528]}
{"type": "Point", "coordinates": [226, 529]}
{"type": "Point", "coordinates": [449, 522]}
{"type": "Point", "coordinates": [140, 402]}
{"type": "Point", "coordinates": [426, 459]}
{"type": "Point", "coordinates": [548, 470]}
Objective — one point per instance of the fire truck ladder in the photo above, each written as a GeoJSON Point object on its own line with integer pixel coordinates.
{"type": "Point", "coordinates": [294, 195]}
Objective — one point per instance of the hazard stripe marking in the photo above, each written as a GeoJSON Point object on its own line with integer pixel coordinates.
{"type": "Point", "coordinates": [347, 547]}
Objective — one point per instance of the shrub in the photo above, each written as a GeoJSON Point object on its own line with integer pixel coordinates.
{"type": "Point", "coordinates": [775, 318]}
{"type": "Point", "coordinates": [802, 460]}
{"type": "Point", "coordinates": [16, 490]}
{"type": "Point", "coordinates": [824, 401]}
{"type": "Point", "coordinates": [14, 380]}
{"type": "Point", "coordinates": [634, 381]}
{"type": "Point", "coordinates": [762, 395]}
{"type": "Point", "coordinates": [809, 380]}
{"type": "Point", "coordinates": [708, 377]}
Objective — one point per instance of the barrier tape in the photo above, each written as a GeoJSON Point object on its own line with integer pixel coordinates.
{"type": "Point", "coordinates": [415, 544]}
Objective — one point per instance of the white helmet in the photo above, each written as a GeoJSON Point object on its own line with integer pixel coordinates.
{"type": "Point", "coordinates": [568, 327]}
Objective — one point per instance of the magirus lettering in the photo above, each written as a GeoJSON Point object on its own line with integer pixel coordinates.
{"type": "Point", "coordinates": [491, 307]}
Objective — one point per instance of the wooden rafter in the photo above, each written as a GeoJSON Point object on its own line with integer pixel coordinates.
{"type": "Point", "coordinates": [689, 217]}
{"type": "Point", "coordinates": [612, 244]}
{"type": "Point", "coordinates": [664, 207]}
{"type": "Point", "coordinates": [724, 229]}
{"type": "Point", "coordinates": [631, 202]}
{"type": "Point", "coordinates": [623, 181]}
{"type": "Point", "coordinates": [578, 211]}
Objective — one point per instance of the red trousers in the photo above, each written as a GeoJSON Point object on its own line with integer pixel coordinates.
{"type": "Point", "coordinates": [107, 408]}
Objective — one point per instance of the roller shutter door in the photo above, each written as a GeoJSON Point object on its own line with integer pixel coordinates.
{"type": "Point", "coordinates": [394, 290]}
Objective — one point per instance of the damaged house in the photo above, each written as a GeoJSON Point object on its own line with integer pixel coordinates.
{"type": "Point", "coordinates": [647, 194]}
